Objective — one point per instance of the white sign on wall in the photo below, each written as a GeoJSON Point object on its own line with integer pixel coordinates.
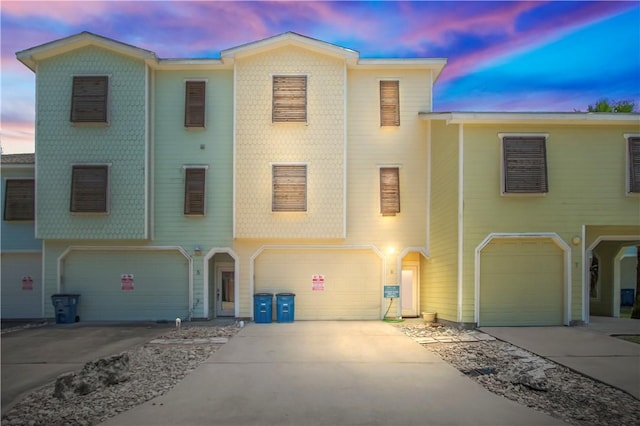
{"type": "Point", "coordinates": [126, 282]}
{"type": "Point", "coordinates": [317, 282]}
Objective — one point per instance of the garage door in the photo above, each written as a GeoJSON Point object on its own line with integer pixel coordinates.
{"type": "Point", "coordinates": [521, 283]}
{"type": "Point", "coordinates": [347, 286]}
{"type": "Point", "coordinates": [159, 289]}
{"type": "Point", "coordinates": [21, 285]}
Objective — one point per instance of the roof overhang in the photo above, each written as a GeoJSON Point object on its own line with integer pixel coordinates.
{"type": "Point", "coordinates": [583, 118]}
{"type": "Point", "coordinates": [30, 57]}
{"type": "Point", "coordinates": [288, 39]}
{"type": "Point", "coordinates": [435, 64]}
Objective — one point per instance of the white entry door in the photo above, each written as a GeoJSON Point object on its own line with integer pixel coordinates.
{"type": "Point", "coordinates": [409, 291]}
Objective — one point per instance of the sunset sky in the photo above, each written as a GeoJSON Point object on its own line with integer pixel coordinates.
{"type": "Point", "coordinates": [502, 56]}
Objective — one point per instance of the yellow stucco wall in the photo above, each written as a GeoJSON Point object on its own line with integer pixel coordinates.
{"type": "Point", "coordinates": [320, 143]}
{"type": "Point", "coordinates": [590, 191]}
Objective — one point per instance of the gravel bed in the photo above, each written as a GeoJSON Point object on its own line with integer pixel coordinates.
{"type": "Point", "coordinates": [154, 368]}
{"type": "Point", "coordinates": [530, 380]}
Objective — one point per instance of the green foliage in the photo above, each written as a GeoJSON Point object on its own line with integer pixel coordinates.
{"type": "Point", "coordinates": [605, 105]}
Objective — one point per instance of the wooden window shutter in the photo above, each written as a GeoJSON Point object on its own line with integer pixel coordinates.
{"type": "Point", "coordinates": [389, 191]}
{"type": "Point", "coordinates": [194, 104]}
{"type": "Point", "coordinates": [89, 99]}
{"type": "Point", "coordinates": [289, 188]}
{"type": "Point", "coordinates": [289, 99]}
{"type": "Point", "coordinates": [89, 189]}
{"type": "Point", "coordinates": [525, 165]}
{"type": "Point", "coordinates": [634, 164]}
{"type": "Point", "coordinates": [389, 103]}
{"type": "Point", "coordinates": [19, 199]}
{"type": "Point", "coordinates": [194, 191]}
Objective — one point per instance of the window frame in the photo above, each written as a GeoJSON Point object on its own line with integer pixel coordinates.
{"type": "Point", "coordinates": [8, 205]}
{"type": "Point", "coordinates": [504, 172]}
{"type": "Point", "coordinates": [277, 110]}
{"type": "Point", "coordinates": [387, 102]}
{"type": "Point", "coordinates": [390, 204]}
{"type": "Point", "coordinates": [106, 191]}
{"type": "Point", "coordinates": [187, 199]}
{"type": "Point", "coordinates": [78, 121]}
{"type": "Point", "coordinates": [631, 188]}
{"type": "Point", "coordinates": [189, 105]}
{"type": "Point", "coordinates": [276, 206]}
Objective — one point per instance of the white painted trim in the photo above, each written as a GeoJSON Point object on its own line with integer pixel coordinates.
{"type": "Point", "coordinates": [429, 164]}
{"type": "Point", "coordinates": [460, 220]}
{"type": "Point", "coordinates": [42, 280]}
{"type": "Point", "coordinates": [399, 260]}
{"type": "Point", "coordinates": [532, 117]}
{"type": "Point", "coordinates": [69, 249]}
{"type": "Point", "coordinates": [236, 285]}
{"type": "Point", "coordinates": [150, 232]}
{"type": "Point", "coordinates": [566, 248]}
{"type": "Point", "coordinates": [235, 162]}
{"type": "Point", "coordinates": [147, 114]}
{"type": "Point", "coordinates": [585, 274]}
{"type": "Point", "coordinates": [373, 248]}
{"type": "Point", "coordinates": [345, 152]}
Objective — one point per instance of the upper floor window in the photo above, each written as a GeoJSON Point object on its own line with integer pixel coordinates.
{"type": "Point", "coordinates": [19, 196]}
{"type": "Point", "coordinates": [89, 100]}
{"type": "Point", "coordinates": [389, 191]}
{"type": "Point", "coordinates": [633, 156]}
{"type": "Point", "coordinates": [90, 189]}
{"type": "Point", "coordinates": [194, 190]}
{"type": "Point", "coordinates": [289, 188]}
{"type": "Point", "coordinates": [289, 99]}
{"type": "Point", "coordinates": [389, 103]}
{"type": "Point", "coordinates": [524, 169]}
{"type": "Point", "coordinates": [194, 104]}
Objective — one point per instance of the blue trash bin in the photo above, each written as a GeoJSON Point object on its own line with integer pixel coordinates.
{"type": "Point", "coordinates": [286, 306]}
{"type": "Point", "coordinates": [627, 296]}
{"type": "Point", "coordinates": [66, 308]}
{"type": "Point", "coordinates": [262, 307]}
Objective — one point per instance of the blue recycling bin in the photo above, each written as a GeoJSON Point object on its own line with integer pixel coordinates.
{"type": "Point", "coordinates": [262, 308]}
{"type": "Point", "coordinates": [285, 307]}
{"type": "Point", "coordinates": [627, 296]}
{"type": "Point", "coordinates": [66, 308]}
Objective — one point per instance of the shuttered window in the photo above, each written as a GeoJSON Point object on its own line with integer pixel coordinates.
{"type": "Point", "coordinates": [194, 104]}
{"type": "Point", "coordinates": [289, 188]}
{"type": "Point", "coordinates": [19, 196]}
{"type": "Point", "coordinates": [634, 164]}
{"type": "Point", "coordinates": [525, 165]}
{"type": "Point", "coordinates": [194, 191]}
{"type": "Point", "coordinates": [389, 103]}
{"type": "Point", "coordinates": [289, 99]}
{"type": "Point", "coordinates": [389, 191]}
{"type": "Point", "coordinates": [89, 99]}
{"type": "Point", "coordinates": [89, 189]}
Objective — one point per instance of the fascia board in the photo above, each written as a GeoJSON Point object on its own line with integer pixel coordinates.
{"type": "Point", "coordinates": [533, 117]}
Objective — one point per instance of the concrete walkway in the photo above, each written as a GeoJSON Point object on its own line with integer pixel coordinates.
{"type": "Point", "coordinates": [328, 373]}
{"type": "Point", "coordinates": [590, 349]}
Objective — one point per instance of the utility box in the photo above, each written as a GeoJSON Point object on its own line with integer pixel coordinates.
{"type": "Point", "coordinates": [285, 305]}
{"type": "Point", "coordinates": [66, 308]}
{"type": "Point", "coordinates": [262, 308]}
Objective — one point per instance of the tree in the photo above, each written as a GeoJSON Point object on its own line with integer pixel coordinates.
{"type": "Point", "coordinates": [605, 105]}
{"type": "Point", "coordinates": [635, 313]}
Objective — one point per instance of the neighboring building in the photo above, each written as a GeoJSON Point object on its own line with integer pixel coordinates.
{"type": "Point", "coordinates": [180, 187]}
{"type": "Point", "coordinates": [21, 252]}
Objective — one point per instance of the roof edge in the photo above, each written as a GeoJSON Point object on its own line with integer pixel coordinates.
{"type": "Point", "coordinates": [532, 117]}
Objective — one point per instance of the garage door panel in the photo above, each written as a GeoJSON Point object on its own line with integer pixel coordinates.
{"type": "Point", "coordinates": [19, 302]}
{"type": "Point", "coordinates": [160, 280]}
{"type": "Point", "coordinates": [521, 283]}
{"type": "Point", "coordinates": [352, 281]}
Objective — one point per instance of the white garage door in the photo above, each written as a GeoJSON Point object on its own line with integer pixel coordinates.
{"type": "Point", "coordinates": [352, 286]}
{"type": "Point", "coordinates": [521, 283]}
{"type": "Point", "coordinates": [159, 289]}
{"type": "Point", "coordinates": [21, 285]}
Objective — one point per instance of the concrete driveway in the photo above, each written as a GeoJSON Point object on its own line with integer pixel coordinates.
{"type": "Point", "coordinates": [34, 357]}
{"type": "Point", "coordinates": [328, 373]}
